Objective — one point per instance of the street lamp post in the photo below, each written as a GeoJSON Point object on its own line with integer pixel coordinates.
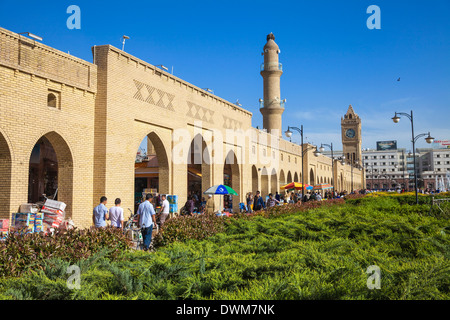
{"type": "Point", "coordinates": [322, 149]}
{"type": "Point", "coordinates": [428, 139]}
{"type": "Point", "coordinates": [288, 134]}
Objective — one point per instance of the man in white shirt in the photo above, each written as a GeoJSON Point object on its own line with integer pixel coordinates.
{"type": "Point", "coordinates": [165, 210]}
{"type": "Point", "coordinates": [116, 215]}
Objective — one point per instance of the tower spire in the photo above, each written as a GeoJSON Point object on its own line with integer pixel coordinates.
{"type": "Point", "coordinates": [272, 107]}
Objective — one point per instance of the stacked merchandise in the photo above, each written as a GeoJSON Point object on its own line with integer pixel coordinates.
{"type": "Point", "coordinates": [39, 222]}
{"type": "Point", "coordinates": [4, 228]}
{"type": "Point", "coordinates": [23, 222]}
{"type": "Point", "coordinates": [54, 214]}
{"type": "Point", "coordinates": [173, 202]}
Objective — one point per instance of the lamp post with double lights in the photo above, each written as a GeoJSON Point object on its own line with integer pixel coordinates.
{"type": "Point", "coordinates": [429, 139]}
{"type": "Point", "coordinates": [288, 134]}
{"type": "Point", "coordinates": [322, 149]}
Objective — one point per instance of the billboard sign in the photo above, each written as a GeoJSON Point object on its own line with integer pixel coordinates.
{"type": "Point", "coordinates": [386, 145]}
{"type": "Point", "coordinates": [441, 144]}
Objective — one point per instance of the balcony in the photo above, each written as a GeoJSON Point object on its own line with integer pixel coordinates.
{"type": "Point", "coordinates": [274, 103]}
{"type": "Point", "coordinates": [271, 67]}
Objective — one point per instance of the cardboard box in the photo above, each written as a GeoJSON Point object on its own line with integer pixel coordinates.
{"type": "Point", "coordinates": [28, 208]}
{"type": "Point", "coordinates": [55, 205]}
{"type": "Point", "coordinates": [50, 210]}
{"type": "Point", "coordinates": [4, 224]}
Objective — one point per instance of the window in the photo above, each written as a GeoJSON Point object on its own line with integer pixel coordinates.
{"type": "Point", "coordinates": [374, 157]}
{"type": "Point", "coordinates": [52, 100]}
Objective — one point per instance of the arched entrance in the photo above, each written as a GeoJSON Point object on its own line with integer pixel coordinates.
{"type": "Point", "coordinates": [296, 179]}
{"type": "Point", "coordinates": [231, 178]}
{"type": "Point", "coordinates": [254, 180]}
{"type": "Point", "coordinates": [264, 182]}
{"type": "Point", "coordinates": [289, 177]}
{"type": "Point", "coordinates": [311, 177]}
{"type": "Point", "coordinates": [198, 169]}
{"type": "Point", "coordinates": [5, 178]}
{"type": "Point", "coordinates": [282, 181]}
{"type": "Point", "coordinates": [51, 171]}
{"type": "Point", "coordinates": [151, 168]}
{"type": "Point", "coordinates": [274, 185]}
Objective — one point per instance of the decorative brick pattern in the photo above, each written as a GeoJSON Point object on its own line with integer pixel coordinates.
{"type": "Point", "coordinates": [197, 112]}
{"type": "Point", "coordinates": [154, 96]}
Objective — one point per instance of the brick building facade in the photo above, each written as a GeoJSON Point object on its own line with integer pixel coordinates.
{"type": "Point", "coordinates": [95, 115]}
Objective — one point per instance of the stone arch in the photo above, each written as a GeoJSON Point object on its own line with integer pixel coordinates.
{"type": "Point", "coordinates": [254, 180]}
{"type": "Point", "coordinates": [296, 177]}
{"type": "Point", "coordinates": [264, 182]}
{"type": "Point", "coordinates": [282, 180]}
{"type": "Point", "coordinates": [311, 177]}
{"type": "Point", "coordinates": [156, 170]}
{"type": "Point", "coordinates": [289, 177]}
{"type": "Point", "coordinates": [5, 177]}
{"type": "Point", "coordinates": [199, 163]}
{"type": "Point", "coordinates": [231, 168]}
{"type": "Point", "coordinates": [274, 185]}
{"type": "Point", "coordinates": [61, 159]}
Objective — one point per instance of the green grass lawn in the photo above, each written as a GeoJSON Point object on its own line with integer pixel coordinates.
{"type": "Point", "coordinates": [318, 254]}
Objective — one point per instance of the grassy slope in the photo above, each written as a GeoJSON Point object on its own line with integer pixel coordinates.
{"type": "Point", "coordinates": [320, 254]}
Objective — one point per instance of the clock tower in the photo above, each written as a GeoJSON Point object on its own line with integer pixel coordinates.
{"type": "Point", "coordinates": [351, 137]}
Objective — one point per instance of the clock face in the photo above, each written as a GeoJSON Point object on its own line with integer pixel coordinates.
{"type": "Point", "coordinates": [350, 133]}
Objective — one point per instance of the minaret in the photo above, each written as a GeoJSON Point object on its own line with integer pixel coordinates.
{"type": "Point", "coordinates": [272, 107]}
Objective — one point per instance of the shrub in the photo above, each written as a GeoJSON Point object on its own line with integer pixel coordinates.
{"type": "Point", "coordinates": [23, 253]}
{"type": "Point", "coordinates": [184, 228]}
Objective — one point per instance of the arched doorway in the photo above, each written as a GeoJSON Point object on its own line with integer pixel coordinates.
{"type": "Point", "coordinates": [274, 185]}
{"type": "Point", "coordinates": [198, 169]}
{"type": "Point", "coordinates": [296, 177]}
{"type": "Point", "coordinates": [151, 168]}
{"type": "Point", "coordinates": [254, 180]}
{"type": "Point", "coordinates": [5, 178]}
{"type": "Point", "coordinates": [231, 178]}
{"type": "Point", "coordinates": [51, 171]}
{"type": "Point", "coordinates": [282, 181]}
{"type": "Point", "coordinates": [264, 182]}
{"type": "Point", "coordinates": [289, 177]}
{"type": "Point", "coordinates": [311, 177]}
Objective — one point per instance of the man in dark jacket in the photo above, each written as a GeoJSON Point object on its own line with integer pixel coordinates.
{"type": "Point", "coordinates": [259, 203]}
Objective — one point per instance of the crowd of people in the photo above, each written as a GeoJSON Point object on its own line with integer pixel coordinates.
{"type": "Point", "coordinates": [145, 216]}
{"type": "Point", "coordinates": [257, 202]}
{"type": "Point", "coordinates": [146, 213]}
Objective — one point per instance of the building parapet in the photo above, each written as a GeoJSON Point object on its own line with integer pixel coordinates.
{"type": "Point", "coordinates": [25, 55]}
{"type": "Point", "coordinates": [182, 83]}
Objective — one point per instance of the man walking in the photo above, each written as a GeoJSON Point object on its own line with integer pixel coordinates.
{"type": "Point", "coordinates": [165, 210]}
{"type": "Point", "coordinates": [271, 202]}
{"type": "Point", "coordinates": [100, 214]}
{"type": "Point", "coordinates": [259, 203]}
{"type": "Point", "coordinates": [146, 217]}
{"type": "Point", "coordinates": [116, 215]}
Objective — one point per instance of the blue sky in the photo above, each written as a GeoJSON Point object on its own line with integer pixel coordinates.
{"type": "Point", "coordinates": [330, 58]}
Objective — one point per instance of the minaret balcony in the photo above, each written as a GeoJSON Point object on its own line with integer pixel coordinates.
{"type": "Point", "coordinates": [271, 66]}
{"type": "Point", "coordinates": [274, 103]}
